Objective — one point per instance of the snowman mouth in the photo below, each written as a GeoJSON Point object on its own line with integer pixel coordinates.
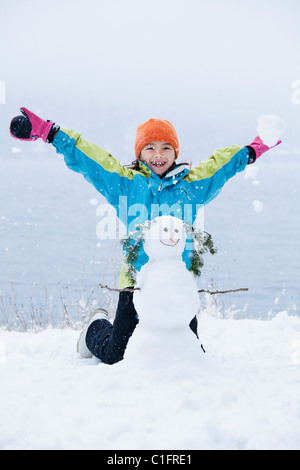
{"type": "Point", "coordinates": [173, 243]}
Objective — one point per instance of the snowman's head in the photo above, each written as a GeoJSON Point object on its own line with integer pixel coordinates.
{"type": "Point", "coordinates": [165, 237]}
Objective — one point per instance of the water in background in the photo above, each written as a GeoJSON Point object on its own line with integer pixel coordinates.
{"type": "Point", "coordinates": [51, 259]}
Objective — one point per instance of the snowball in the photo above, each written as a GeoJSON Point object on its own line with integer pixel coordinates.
{"type": "Point", "coordinates": [93, 202]}
{"type": "Point", "coordinates": [270, 128]}
{"type": "Point", "coordinates": [251, 172]}
{"type": "Point", "coordinates": [16, 150]}
{"type": "Point", "coordinates": [258, 206]}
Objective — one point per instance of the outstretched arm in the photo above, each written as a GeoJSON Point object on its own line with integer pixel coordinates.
{"type": "Point", "coordinates": [97, 166]}
{"type": "Point", "coordinates": [208, 178]}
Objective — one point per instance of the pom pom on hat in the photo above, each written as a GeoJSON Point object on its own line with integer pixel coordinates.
{"type": "Point", "coordinates": [156, 130]}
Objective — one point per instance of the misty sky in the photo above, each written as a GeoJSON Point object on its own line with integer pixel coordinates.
{"type": "Point", "coordinates": [103, 67]}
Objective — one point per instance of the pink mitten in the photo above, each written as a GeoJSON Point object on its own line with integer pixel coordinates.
{"type": "Point", "coordinates": [30, 126]}
{"type": "Point", "coordinates": [259, 147]}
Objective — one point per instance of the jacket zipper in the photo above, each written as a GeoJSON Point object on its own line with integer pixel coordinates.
{"type": "Point", "coordinates": [187, 193]}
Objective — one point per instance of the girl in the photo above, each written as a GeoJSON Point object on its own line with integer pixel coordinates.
{"type": "Point", "coordinates": [154, 185]}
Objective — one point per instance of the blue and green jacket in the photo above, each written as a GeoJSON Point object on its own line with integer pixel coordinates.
{"type": "Point", "coordinates": [145, 195]}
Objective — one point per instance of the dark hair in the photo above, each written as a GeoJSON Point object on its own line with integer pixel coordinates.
{"type": "Point", "coordinates": [133, 165]}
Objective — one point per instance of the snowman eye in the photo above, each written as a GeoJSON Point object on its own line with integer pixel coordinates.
{"type": "Point", "coordinates": [165, 229]}
{"type": "Point", "coordinates": [176, 230]}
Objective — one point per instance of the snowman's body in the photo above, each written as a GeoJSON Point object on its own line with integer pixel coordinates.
{"type": "Point", "coordinates": [168, 296]}
{"type": "Point", "coordinates": [167, 299]}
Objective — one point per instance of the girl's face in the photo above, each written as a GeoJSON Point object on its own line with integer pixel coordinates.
{"type": "Point", "coordinates": [159, 156]}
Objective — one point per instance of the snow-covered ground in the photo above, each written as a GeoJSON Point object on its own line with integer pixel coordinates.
{"type": "Point", "coordinates": [242, 394]}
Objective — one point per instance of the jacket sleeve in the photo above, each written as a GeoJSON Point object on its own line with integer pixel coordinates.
{"type": "Point", "coordinates": [96, 165]}
{"type": "Point", "coordinates": [208, 178]}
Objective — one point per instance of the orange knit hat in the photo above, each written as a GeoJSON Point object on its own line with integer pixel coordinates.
{"type": "Point", "coordinates": [156, 130]}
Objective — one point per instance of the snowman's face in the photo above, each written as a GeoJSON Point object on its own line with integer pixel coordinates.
{"type": "Point", "coordinates": [165, 237]}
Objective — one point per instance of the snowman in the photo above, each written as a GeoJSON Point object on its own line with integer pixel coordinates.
{"type": "Point", "coordinates": [167, 298]}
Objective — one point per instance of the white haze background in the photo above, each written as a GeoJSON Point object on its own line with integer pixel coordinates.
{"type": "Point", "coordinates": [211, 67]}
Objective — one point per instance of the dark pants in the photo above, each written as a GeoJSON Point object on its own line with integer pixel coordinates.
{"type": "Point", "coordinates": [108, 341]}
